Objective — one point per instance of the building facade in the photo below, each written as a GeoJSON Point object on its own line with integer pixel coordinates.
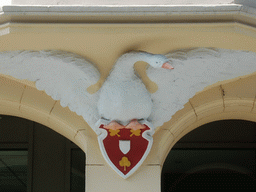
{"type": "Point", "coordinates": [102, 33]}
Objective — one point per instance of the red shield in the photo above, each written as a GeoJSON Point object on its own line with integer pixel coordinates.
{"type": "Point", "coordinates": [125, 149]}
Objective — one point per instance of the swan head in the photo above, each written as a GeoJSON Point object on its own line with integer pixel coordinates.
{"type": "Point", "coordinates": [159, 61]}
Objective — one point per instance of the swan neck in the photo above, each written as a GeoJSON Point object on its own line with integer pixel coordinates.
{"type": "Point", "coordinates": [125, 64]}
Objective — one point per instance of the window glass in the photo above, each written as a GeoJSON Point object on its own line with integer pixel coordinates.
{"type": "Point", "coordinates": [77, 176]}
{"type": "Point", "coordinates": [13, 170]}
{"type": "Point", "coordinates": [13, 129]}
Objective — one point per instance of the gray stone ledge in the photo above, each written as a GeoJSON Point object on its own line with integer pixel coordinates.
{"type": "Point", "coordinates": [112, 13]}
{"type": "Point", "coordinates": [118, 8]}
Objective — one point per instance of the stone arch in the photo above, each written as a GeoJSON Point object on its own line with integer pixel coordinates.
{"type": "Point", "coordinates": [21, 98]}
{"type": "Point", "coordinates": [233, 99]}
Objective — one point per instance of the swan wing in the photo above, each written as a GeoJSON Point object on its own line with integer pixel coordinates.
{"type": "Point", "coordinates": [194, 69]}
{"type": "Point", "coordinates": [62, 75]}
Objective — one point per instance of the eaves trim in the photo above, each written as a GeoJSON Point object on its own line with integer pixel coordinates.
{"type": "Point", "coordinates": [129, 14]}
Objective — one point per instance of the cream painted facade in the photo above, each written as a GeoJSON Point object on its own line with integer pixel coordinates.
{"type": "Point", "coordinates": [102, 34]}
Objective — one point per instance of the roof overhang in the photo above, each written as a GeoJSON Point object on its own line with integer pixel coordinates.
{"type": "Point", "coordinates": [129, 14]}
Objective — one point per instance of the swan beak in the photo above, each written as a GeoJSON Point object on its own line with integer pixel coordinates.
{"type": "Point", "coordinates": [167, 66]}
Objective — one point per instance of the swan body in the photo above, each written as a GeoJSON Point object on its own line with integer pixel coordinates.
{"type": "Point", "coordinates": [123, 96]}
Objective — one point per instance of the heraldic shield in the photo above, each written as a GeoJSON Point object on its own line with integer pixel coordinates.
{"type": "Point", "coordinates": [125, 149]}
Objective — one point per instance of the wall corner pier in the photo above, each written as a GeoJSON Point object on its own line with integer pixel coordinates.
{"type": "Point", "coordinates": [102, 178]}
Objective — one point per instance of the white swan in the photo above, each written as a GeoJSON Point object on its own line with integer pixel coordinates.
{"type": "Point", "coordinates": [123, 97]}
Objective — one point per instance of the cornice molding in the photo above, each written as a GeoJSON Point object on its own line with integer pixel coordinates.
{"type": "Point", "coordinates": [128, 14]}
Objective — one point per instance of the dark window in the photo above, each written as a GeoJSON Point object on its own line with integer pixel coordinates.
{"type": "Point", "coordinates": [35, 158]}
{"type": "Point", "coordinates": [218, 155]}
{"type": "Point", "coordinates": [77, 176]}
{"type": "Point", "coordinates": [13, 170]}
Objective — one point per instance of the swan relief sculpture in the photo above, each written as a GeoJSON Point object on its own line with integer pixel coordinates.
{"type": "Point", "coordinates": [124, 106]}
{"type": "Point", "coordinates": [123, 96]}
{"type": "Point", "coordinates": [123, 113]}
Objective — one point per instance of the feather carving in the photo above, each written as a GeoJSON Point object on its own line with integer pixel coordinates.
{"type": "Point", "coordinates": [62, 75]}
{"type": "Point", "coordinates": [123, 97]}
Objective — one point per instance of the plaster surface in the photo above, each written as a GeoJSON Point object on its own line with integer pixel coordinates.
{"type": "Point", "coordinates": [117, 2]}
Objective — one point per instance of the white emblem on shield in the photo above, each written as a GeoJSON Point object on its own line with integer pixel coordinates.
{"type": "Point", "coordinates": [125, 146]}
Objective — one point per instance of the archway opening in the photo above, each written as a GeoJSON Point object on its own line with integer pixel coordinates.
{"type": "Point", "coordinates": [217, 155]}
{"type": "Point", "coordinates": [214, 179]}
{"type": "Point", "coordinates": [36, 158]}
